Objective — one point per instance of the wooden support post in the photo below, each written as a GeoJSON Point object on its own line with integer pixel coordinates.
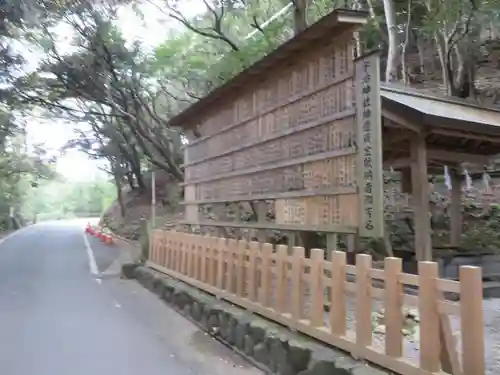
{"type": "Point", "coordinates": [455, 208]}
{"type": "Point", "coordinates": [363, 313]}
{"type": "Point", "coordinates": [316, 288]}
{"type": "Point", "coordinates": [265, 282]}
{"type": "Point", "coordinates": [296, 279]}
{"type": "Point", "coordinates": [430, 340]}
{"type": "Point", "coordinates": [393, 299]}
{"type": "Point", "coordinates": [472, 318]}
{"type": "Point", "coordinates": [241, 273]}
{"type": "Point", "coordinates": [252, 270]}
{"type": "Point", "coordinates": [331, 244]}
{"type": "Point", "coordinates": [338, 322]}
{"type": "Point", "coordinates": [420, 195]}
{"type": "Point", "coordinates": [232, 247]}
{"type": "Point", "coordinates": [281, 278]}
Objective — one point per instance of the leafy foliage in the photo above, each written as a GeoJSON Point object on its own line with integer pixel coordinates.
{"type": "Point", "coordinates": [123, 95]}
{"type": "Point", "coordinates": [59, 199]}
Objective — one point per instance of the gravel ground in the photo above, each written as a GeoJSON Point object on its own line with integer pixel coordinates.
{"type": "Point", "coordinates": [492, 335]}
{"type": "Point", "coordinates": [491, 309]}
{"type": "Point", "coordinates": [411, 344]}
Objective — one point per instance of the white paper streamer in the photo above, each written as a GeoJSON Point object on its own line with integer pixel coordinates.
{"type": "Point", "coordinates": [486, 181]}
{"type": "Point", "coordinates": [468, 180]}
{"type": "Point", "coordinates": [447, 179]}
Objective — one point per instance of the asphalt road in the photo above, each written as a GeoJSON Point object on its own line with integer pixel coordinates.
{"type": "Point", "coordinates": [56, 318]}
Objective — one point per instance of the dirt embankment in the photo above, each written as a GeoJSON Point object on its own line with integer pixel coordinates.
{"type": "Point", "coordinates": [138, 207]}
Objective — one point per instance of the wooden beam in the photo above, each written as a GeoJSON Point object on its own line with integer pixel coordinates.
{"type": "Point", "coordinates": [457, 157]}
{"type": "Point", "coordinates": [442, 156]}
{"type": "Point", "coordinates": [466, 135]}
{"type": "Point", "coordinates": [399, 137]}
{"type": "Point", "coordinates": [402, 121]}
{"type": "Point", "coordinates": [397, 163]}
{"type": "Point", "coordinates": [420, 195]}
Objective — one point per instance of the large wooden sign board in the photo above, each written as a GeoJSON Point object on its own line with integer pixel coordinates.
{"type": "Point", "coordinates": [307, 137]}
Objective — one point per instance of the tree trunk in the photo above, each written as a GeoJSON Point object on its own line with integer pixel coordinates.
{"type": "Point", "coordinates": [300, 15]}
{"type": "Point", "coordinates": [119, 195]}
{"type": "Point", "coordinates": [140, 180]}
{"type": "Point", "coordinates": [130, 180]}
{"type": "Point", "coordinates": [392, 34]}
{"type": "Point", "coordinates": [405, 44]}
{"type": "Point", "coordinates": [421, 60]}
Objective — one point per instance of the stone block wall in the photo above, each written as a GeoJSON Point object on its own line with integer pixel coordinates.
{"type": "Point", "coordinates": [272, 347]}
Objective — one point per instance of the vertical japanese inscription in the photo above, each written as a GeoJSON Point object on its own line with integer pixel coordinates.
{"type": "Point", "coordinates": [369, 146]}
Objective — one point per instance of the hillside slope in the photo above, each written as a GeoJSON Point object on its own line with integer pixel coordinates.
{"type": "Point", "coordinates": [138, 207]}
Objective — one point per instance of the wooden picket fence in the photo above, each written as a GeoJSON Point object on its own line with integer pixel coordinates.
{"type": "Point", "coordinates": [271, 282]}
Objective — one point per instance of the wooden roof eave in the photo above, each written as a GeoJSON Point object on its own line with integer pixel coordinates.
{"type": "Point", "coordinates": [339, 20]}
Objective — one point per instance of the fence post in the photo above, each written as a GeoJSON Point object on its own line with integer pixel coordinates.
{"type": "Point", "coordinates": [164, 242]}
{"type": "Point", "coordinates": [180, 251]}
{"type": "Point", "coordinates": [194, 256]}
{"type": "Point", "coordinates": [240, 269]}
{"type": "Point", "coordinates": [231, 248]}
{"type": "Point", "coordinates": [472, 320]}
{"type": "Point", "coordinates": [156, 247]}
{"type": "Point", "coordinates": [297, 270]}
{"type": "Point", "coordinates": [177, 252]}
{"type": "Point", "coordinates": [265, 284]}
{"type": "Point", "coordinates": [393, 314]}
{"type": "Point", "coordinates": [183, 244]}
{"type": "Point", "coordinates": [188, 252]}
{"type": "Point", "coordinates": [338, 322]}
{"type": "Point", "coordinates": [151, 242]}
{"type": "Point", "coordinates": [281, 279]}
{"type": "Point", "coordinates": [198, 256]}
{"type": "Point", "coordinates": [363, 301]}
{"type": "Point", "coordinates": [168, 239]}
{"type": "Point", "coordinates": [221, 244]}
{"type": "Point", "coordinates": [212, 261]}
{"type": "Point", "coordinates": [252, 262]}
{"type": "Point", "coordinates": [188, 249]}
{"type": "Point", "coordinates": [168, 248]}
{"type": "Point", "coordinates": [204, 248]}
{"type": "Point", "coordinates": [316, 288]}
{"type": "Point", "coordinates": [430, 341]}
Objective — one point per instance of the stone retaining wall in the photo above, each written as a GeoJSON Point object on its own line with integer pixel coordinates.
{"type": "Point", "coordinates": [275, 348]}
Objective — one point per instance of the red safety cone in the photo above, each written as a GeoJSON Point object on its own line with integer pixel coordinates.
{"type": "Point", "coordinates": [109, 240]}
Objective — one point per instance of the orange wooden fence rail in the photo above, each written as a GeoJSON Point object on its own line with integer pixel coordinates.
{"type": "Point", "coordinates": [282, 285]}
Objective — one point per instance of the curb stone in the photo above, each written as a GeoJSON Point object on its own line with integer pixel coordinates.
{"type": "Point", "coordinates": [269, 346]}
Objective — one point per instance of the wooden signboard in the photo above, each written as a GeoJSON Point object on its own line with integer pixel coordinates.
{"type": "Point", "coordinates": [369, 142]}
{"type": "Point", "coordinates": [305, 136]}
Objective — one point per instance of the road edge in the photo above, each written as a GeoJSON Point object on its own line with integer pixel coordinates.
{"type": "Point", "coordinates": [15, 233]}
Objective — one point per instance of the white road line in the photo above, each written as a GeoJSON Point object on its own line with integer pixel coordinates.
{"type": "Point", "coordinates": [92, 264]}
